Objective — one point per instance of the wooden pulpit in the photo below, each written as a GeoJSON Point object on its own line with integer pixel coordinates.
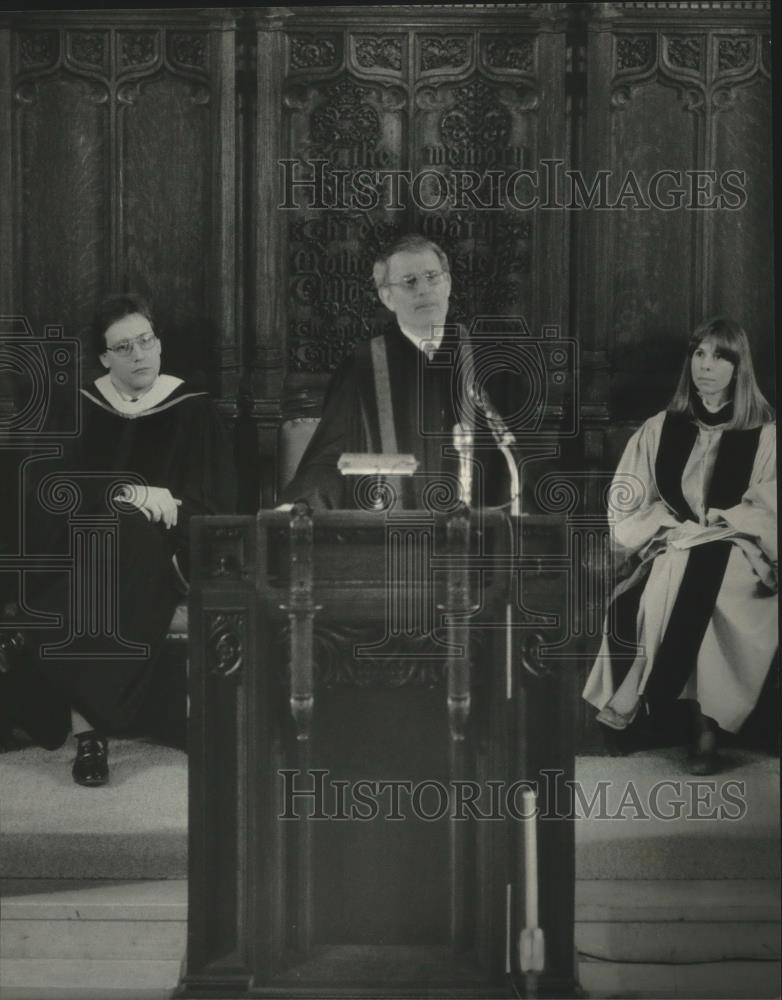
{"type": "Point", "coordinates": [370, 696]}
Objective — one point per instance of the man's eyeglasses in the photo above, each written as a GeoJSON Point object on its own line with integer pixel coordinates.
{"type": "Point", "coordinates": [410, 281]}
{"type": "Point", "coordinates": [146, 341]}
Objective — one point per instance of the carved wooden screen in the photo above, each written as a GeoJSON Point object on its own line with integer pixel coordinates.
{"type": "Point", "coordinates": [677, 99]}
{"type": "Point", "coordinates": [122, 176]}
{"type": "Point", "coordinates": [401, 119]}
{"type": "Point", "coordinates": [686, 91]}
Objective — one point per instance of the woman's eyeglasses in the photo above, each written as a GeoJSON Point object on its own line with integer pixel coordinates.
{"type": "Point", "coordinates": [146, 341]}
{"type": "Point", "coordinates": [410, 281]}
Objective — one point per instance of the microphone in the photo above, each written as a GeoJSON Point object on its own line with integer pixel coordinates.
{"type": "Point", "coordinates": [501, 433]}
{"type": "Point", "coordinates": [463, 442]}
{"type": "Point", "coordinates": [504, 439]}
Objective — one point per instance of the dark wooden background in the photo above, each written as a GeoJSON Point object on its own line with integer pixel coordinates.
{"type": "Point", "coordinates": [140, 150]}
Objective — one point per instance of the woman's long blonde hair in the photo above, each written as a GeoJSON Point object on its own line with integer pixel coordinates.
{"type": "Point", "coordinates": [750, 406]}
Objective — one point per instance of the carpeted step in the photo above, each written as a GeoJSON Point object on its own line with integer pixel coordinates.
{"type": "Point", "coordinates": [133, 828]}
{"type": "Point", "coordinates": [651, 820]}
{"type": "Point", "coordinates": [136, 827]}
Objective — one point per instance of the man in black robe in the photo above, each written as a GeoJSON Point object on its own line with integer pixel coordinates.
{"type": "Point", "coordinates": [151, 453]}
{"type": "Point", "coordinates": [403, 391]}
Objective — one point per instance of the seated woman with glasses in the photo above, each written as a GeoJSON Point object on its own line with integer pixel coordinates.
{"type": "Point", "coordinates": [151, 453]}
{"type": "Point", "coordinates": [694, 508]}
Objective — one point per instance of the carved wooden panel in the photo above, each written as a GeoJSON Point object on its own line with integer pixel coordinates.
{"type": "Point", "coordinates": [678, 118]}
{"type": "Point", "coordinates": [465, 131]}
{"type": "Point", "coordinates": [62, 129]}
{"type": "Point", "coordinates": [742, 273]}
{"type": "Point", "coordinates": [338, 127]}
{"type": "Point", "coordinates": [163, 126]}
{"type": "Point", "coordinates": [651, 249]}
{"type": "Point", "coordinates": [405, 123]}
{"type": "Point", "coordinates": [122, 132]}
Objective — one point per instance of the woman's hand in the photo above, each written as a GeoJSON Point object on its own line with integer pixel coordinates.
{"type": "Point", "coordinates": [155, 501]}
{"type": "Point", "coordinates": [683, 530]}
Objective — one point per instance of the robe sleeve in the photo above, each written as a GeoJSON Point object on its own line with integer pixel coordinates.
{"type": "Point", "coordinates": [205, 475]}
{"type": "Point", "coordinates": [756, 515]}
{"type": "Point", "coordinates": [318, 481]}
{"type": "Point", "coordinates": [639, 514]}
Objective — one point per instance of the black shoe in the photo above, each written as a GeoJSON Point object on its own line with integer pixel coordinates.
{"type": "Point", "coordinates": [91, 766]}
{"type": "Point", "coordinates": [703, 757]}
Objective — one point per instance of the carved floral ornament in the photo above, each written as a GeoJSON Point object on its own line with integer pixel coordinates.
{"type": "Point", "coordinates": [683, 58]}
{"type": "Point", "coordinates": [477, 118]}
{"type": "Point", "coordinates": [38, 49]}
{"type": "Point", "coordinates": [735, 53]}
{"type": "Point", "coordinates": [414, 667]}
{"type": "Point", "coordinates": [638, 52]}
{"type": "Point", "coordinates": [444, 51]}
{"type": "Point", "coordinates": [510, 52]}
{"type": "Point", "coordinates": [310, 51]}
{"type": "Point", "coordinates": [634, 52]}
{"type": "Point", "coordinates": [378, 52]}
{"type": "Point", "coordinates": [88, 48]}
{"type": "Point", "coordinates": [225, 643]}
{"type": "Point", "coordinates": [91, 50]}
{"type": "Point", "coordinates": [345, 119]}
{"type": "Point", "coordinates": [137, 48]}
{"type": "Point", "coordinates": [189, 49]}
{"type": "Point", "coordinates": [685, 52]}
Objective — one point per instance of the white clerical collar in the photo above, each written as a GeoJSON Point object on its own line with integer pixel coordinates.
{"type": "Point", "coordinates": [427, 343]}
{"type": "Point", "coordinates": [162, 387]}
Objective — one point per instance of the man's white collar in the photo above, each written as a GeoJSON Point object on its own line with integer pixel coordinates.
{"type": "Point", "coordinates": [428, 342]}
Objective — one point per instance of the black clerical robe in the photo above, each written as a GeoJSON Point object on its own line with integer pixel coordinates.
{"type": "Point", "coordinates": [180, 444]}
{"type": "Point", "coordinates": [427, 398]}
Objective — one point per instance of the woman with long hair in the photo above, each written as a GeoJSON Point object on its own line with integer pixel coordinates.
{"type": "Point", "coordinates": [693, 506]}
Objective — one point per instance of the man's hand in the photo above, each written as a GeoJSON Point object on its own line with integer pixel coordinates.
{"type": "Point", "coordinates": [155, 501]}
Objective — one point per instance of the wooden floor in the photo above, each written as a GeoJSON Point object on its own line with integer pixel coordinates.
{"type": "Point", "coordinates": [654, 938]}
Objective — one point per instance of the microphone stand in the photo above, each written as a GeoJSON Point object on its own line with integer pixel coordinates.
{"type": "Point", "coordinates": [463, 443]}
{"type": "Point", "coordinates": [531, 945]}
{"type": "Point", "coordinates": [504, 439]}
